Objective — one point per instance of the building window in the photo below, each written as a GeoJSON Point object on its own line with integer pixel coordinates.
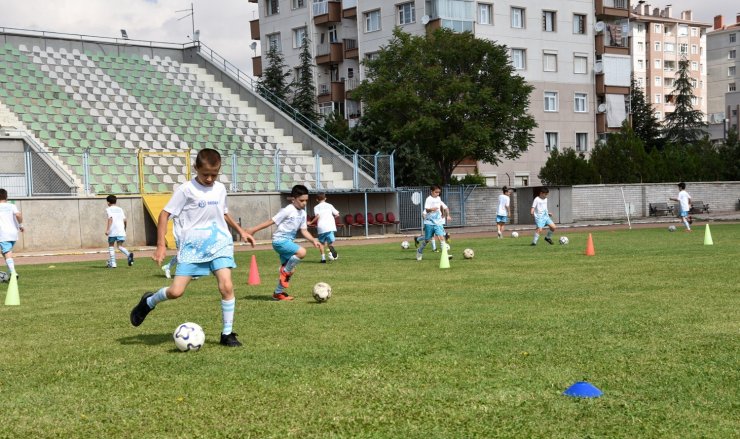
{"type": "Point", "coordinates": [517, 18]}
{"type": "Point", "coordinates": [640, 27]}
{"type": "Point", "coordinates": [640, 47]}
{"type": "Point", "coordinates": [683, 30]}
{"type": "Point", "coordinates": [658, 80]}
{"type": "Point", "coordinates": [659, 115]}
{"type": "Point", "coordinates": [580, 64]}
{"type": "Point", "coordinates": [658, 99]}
{"type": "Point", "coordinates": [485, 13]}
{"type": "Point", "coordinates": [273, 41]}
{"type": "Point", "coordinates": [731, 86]}
{"type": "Point", "coordinates": [640, 82]}
{"type": "Point", "coordinates": [326, 109]}
{"type": "Point", "coordinates": [406, 13]}
{"type": "Point", "coordinates": [658, 64]}
{"type": "Point", "coordinates": [372, 56]}
{"type": "Point", "coordinates": [579, 24]}
{"type": "Point", "coordinates": [272, 7]}
{"type": "Point", "coordinates": [731, 54]}
{"type": "Point", "coordinates": [694, 49]}
{"type": "Point", "coordinates": [694, 65]}
{"type": "Point", "coordinates": [668, 82]}
{"type": "Point", "coordinates": [733, 38]}
{"type": "Point", "coordinates": [657, 46]}
{"type": "Point", "coordinates": [548, 21]}
{"type": "Point", "coordinates": [372, 21]}
{"type": "Point", "coordinates": [521, 179]}
{"type": "Point", "coordinates": [519, 59]}
{"type": "Point", "coordinates": [580, 103]}
{"type": "Point", "coordinates": [668, 47]}
{"type": "Point", "coordinates": [731, 71]}
{"type": "Point", "coordinates": [551, 101]}
{"type": "Point", "coordinates": [694, 31]}
{"type": "Point", "coordinates": [333, 35]}
{"type": "Point", "coordinates": [683, 49]}
{"type": "Point", "coordinates": [297, 4]}
{"type": "Point", "coordinates": [551, 141]}
{"type": "Point", "coordinates": [298, 36]}
{"type": "Point", "coordinates": [550, 62]}
{"type": "Point", "coordinates": [656, 28]}
{"type": "Point", "coordinates": [694, 83]}
{"type": "Point", "coordinates": [582, 142]}
{"type": "Point", "coordinates": [640, 64]}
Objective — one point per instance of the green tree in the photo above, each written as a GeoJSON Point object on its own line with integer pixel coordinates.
{"type": "Point", "coordinates": [444, 97]}
{"type": "Point", "coordinates": [274, 80]}
{"type": "Point", "coordinates": [567, 168]}
{"type": "Point", "coordinates": [304, 90]}
{"type": "Point", "coordinates": [729, 153]}
{"type": "Point", "coordinates": [622, 159]}
{"type": "Point", "coordinates": [644, 122]}
{"type": "Point", "coordinates": [336, 125]}
{"type": "Point", "coordinates": [684, 125]}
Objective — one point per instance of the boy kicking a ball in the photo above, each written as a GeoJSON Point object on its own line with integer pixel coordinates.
{"type": "Point", "coordinates": [542, 218]}
{"type": "Point", "coordinates": [206, 246]}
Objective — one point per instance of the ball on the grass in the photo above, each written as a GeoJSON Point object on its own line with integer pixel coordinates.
{"type": "Point", "coordinates": [322, 292]}
{"type": "Point", "coordinates": [564, 240]}
{"type": "Point", "coordinates": [514, 234]}
{"type": "Point", "coordinates": [189, 337]}
{"type": "Point", "coordinates": [405, 245]}
{"type": "Point", "coordinates": [671, 228]}
{"type": "Point", "coordinates": [468, 253]}
{"type": "Point", "coordinates": [4, 277]}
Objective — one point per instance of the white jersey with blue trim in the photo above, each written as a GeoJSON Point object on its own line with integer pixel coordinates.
{"type": "Point", "coordinates": [289, 220]}
{"type": "Point", "coordinates": [434, 218]}
{"type": "Point", "coordinates": [540, 207]}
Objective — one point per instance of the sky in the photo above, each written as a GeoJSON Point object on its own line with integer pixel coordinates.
{"type": "Point", "coordinates": [223, 24]}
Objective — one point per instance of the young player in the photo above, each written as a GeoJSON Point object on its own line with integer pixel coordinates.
{"type": "Point", "coordinates": [206, 245]}
{"type": "Point", "coordinates": [504, 211]}
{"type": "Point", "coordinates": [289, 221]}
{"type": "Point", "coordinates": [684, 201]}
{"type": "Point", "coordinates": [435, 212]}
{"type": "Point", "coordinates": [326, 225]}
{"type": "Point", "coordinates": [11, 221]}
{"type": "Point", "coordinates": [115, 230]}
{"type": "Point", "coordinates": [542, 217]}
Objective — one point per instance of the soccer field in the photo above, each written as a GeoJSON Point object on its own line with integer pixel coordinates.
{"type": "Point", "coordinates": [403, 349]}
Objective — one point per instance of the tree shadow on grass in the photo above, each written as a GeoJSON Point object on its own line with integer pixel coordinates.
{"type": "Point", "coordinates": [146, 339]}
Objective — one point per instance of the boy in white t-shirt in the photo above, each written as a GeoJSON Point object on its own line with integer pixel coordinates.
{"type": "Point", "coordinates": [11, 221]}
{"type": "Point", "coordinates": [684, 201]}
{"type": "Point", "coordinates": [435, 214]}
{"type": "Point", "coordinates": [326, 225]}
{"type": "Point", "coordinates": [542, 217]}
{"type": "Point", "coordinates": [504, 211]}
{"type": "Point", "coordinates": [206, 246]}
{"type": "Point", "coordinates": [115, 230]}
{"type": "Point", "coordinates": [289, 221]}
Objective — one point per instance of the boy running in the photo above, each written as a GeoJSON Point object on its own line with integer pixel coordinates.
{"type": "Point", "coordinates": [326, 225]}
{"type": "Point", "coordinates": [11, 222]}
{"type": "Point", "coordinates": [504, 211]}
{"type": "Point", "coordinates": [435, 213]}
{"type": "Point", "coordinates": [542, 217]}
{"type": "Point", "coordinates": [684, 201]}
{"type": "Point", "coordinates": [115, 230]}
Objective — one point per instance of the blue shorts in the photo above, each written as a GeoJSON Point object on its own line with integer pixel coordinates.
{"type": "Point", "coordinates": [683, 213]}
{"type": "Point", "coordinates": [326, 238]}
{"type": "Point", "coordinates": [433, 229]}
{"type": "Point", "coordinates": [502, 219]}
{"type": "Point", "coordinates": [198, 269]}
{"type": "Point", "coordinates": [543, 221]}
{"type": "Point", "coordinates": [285, 249]}
{"type": "Point", "coordinates": [118, 239]}
{"type": "Point", "coordinates": [6, 246]}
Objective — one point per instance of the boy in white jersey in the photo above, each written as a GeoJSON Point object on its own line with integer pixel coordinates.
{"type": "Point", "coordinates": [504, 211]}
{"type": "Point", "coordinates": [11, 221]}
{"type": "Point", "coordinates": [435, 213]}
{"type": "Point", "coordinates": [289, 221]}
{"type": "Point", "coordinates": [326, 225]}
{"type": "Point", "coordinates": [542, 217]}
{"type": "Point", "coordinates": [206, 246]}
{"type": "Point", "coordinates": [684, 201]}
{"type": "Point", "coordinates": [115, 230]}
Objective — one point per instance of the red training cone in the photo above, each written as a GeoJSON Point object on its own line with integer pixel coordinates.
{"type": "Point", "coordinates": [254, 274]}
{"type": "Point", "coordinates": [590, 246]}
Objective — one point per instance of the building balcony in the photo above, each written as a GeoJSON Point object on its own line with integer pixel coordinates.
{"type": "Point", "coordinates": [329, 53]}
{"type": "Point", "coordinates": [601, 125]}
{"type": "Point", "coordinates": [351, 51]}
{"type": "Point", "coordinates": [602, 88]}
{"type": "Point", "coordinates": [331, 92]}
{"type": "Point", "coordinates": [349, 85]}
{"type": "Point", "coordinates": [257, 66]}
{"type": "Point", "coordinates": [614, 46]}
{"type": "Point", "coordinates": [613, 8]}
{"type": "Point", "coordinates": [254, 29]}
{"type": "Point", "coordinates": [349, 8]}
{"type": "Point", "coordinates": [327, 11]}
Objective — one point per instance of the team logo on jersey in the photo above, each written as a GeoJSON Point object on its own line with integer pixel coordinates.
{"type": "Point", "coordinates": [201, 204]}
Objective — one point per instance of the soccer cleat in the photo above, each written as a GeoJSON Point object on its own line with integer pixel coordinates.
{"type": "Point", "coordinates": [549, 240]}
{"type": "Point", "coordinates": [333, 252]}
{"type": "Point", "coordinates": [418, 256]}
{"type": "Point", "coordinates": [323, 261]}
{"type": "Point", "coordinates": [416, 241]}
{"type": "Point", "coordinates": [284, 277]}
{"type": "Point", "coordinates": [691, 220]}
{"type": "Point", "coordinates": [166, 270]}
{"type": "Point", "coordinates": [230, 340]}
{"type": "Point", "coordinates": [140, 311]}
{"type": "Point", "coordinates": [533, 244]}
{"type": "Point", "coordinates": [281, 297]}
{"type": "Point", "coordinates": [130, 259]}
{"type": "Point", "coordinates": [436, 250]}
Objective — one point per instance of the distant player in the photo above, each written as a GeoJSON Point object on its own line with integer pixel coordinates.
{"type": "Point", "coordinates": [115, 230]}
{"type": "Point", "coordinates": [289, 221]}
{"type": "Point", "coordinates": [542, 218]}
{"type": "Point", "coordinates": [326, 225]}
{"type": "Point", "coordinates": [504, 211]}
{"type": "Point", "coordinates": [435, 213]}
{"type": "Point", "coordinates": [11, 221]}
{"type": "Point", "coordinates": [684, 201]}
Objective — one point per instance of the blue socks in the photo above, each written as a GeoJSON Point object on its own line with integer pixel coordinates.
{"type": "Point", "coordinates": [227, 309]}
{"type": "Point", "coordinates": [159, 296]}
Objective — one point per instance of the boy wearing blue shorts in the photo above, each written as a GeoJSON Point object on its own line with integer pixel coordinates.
{"type": "Point", "coordinates": [326, 225]}
{"type": "Point", "coordinates": [11, 222]}
{"type": "Point", "coordinates": [503, 212]}
{"type": "Point", "coordinates": [435, 214]}
{"type": "Point", "coordinates": [206, 246]}
{"type": "Point", "coordinates": [684, 202]}
{"type": "Point", "coordinates": [115, 230]}
{"type": "Point", "coordinates": [542, 218]}
{"type": "Point", "coordinates": [289, 221]}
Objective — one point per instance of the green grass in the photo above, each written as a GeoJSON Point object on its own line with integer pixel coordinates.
{"type": "Point", "coordinates": [402, 350]}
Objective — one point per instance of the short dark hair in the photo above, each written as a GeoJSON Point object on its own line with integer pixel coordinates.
{"type": "Point", "coordinates": [208, 155]}
{"type": "Point", "coordinates": [435, 187]}
{"type": "Point", "coordinates": [682, 185]}
{"type": "Point", "coordinates": [321, 196]}
{"type": "Point", "coordinates": [298, 190]}
{"type": "Point", "coordinates": [111, 199]}
{"type": "Point", "coordinates": [544, 190]}
{"type": "Point", "coordinates": [3, 194]}
{"type": "Point", "coordinates": [505, 189]}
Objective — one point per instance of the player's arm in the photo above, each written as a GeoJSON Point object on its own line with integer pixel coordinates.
{"type": "Point", "coordinates": [161, 249]}
{"type": "Point", "coordinates": [314, 220]}
{"type": "Point", "coordinates": [19, 220]}
{"type": "Point", "coordinates": [246, 237]}
{"type": "Point", "coordinates": [258, 227]}
{"type": "Point", "coordinates": [108, 224]}
{"type": "Point", "coordinates": [310, 237]}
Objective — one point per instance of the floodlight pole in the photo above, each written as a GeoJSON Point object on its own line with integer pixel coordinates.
{"type": "Point", "coordinates": [191, 14]}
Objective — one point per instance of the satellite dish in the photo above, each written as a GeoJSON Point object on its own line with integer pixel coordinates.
{"type": "Point", "coordinates": [599, 67]}
{"type": "Point", "coordinates": [425, 19]}
{"type": "Point", "coordinates": [601, 108]}
{"type": "Point", "coordinates": [599, 26]}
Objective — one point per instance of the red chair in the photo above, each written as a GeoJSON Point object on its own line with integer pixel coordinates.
{"type": "Point", "coordinates": [380, 220]}
{"type": "Point", "coordinates": [340, 226]}
{"type": "Point", "coordinates": [371, 221]}
{"type": "Point", "coordinates": [360, 219]}
{"type": "Point", "coordinates": [349, 221]}
{"type": "Point", "coordinates": [390, 218]}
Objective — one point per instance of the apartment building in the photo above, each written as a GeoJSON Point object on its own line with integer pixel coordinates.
{"type": "Point", "coordinates": [659, 41]}
{"type": "Point", "coordinates": [551, 43]}
{"type": "Point", "coordinates": [723, 77]}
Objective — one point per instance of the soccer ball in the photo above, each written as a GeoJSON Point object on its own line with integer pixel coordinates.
{"type": "Point", "coordinates": [330, 256]}
{"type": "Point", "coordinates": [189, 337]}
{"type": "Point", "coordinates": [671, 228]}
{"type": "Point", "coordinates": [468, 253]}
{"type": "Point", "coordinates": [514, 234]}
{"type": "Point", "coordinates": [564, 240]}
{"type": "Point", "coordinates": [322, 292]}
{"type": "Point", "coordinates": [4, 277]}
{"type": "Point", "coordinates": [405, 245]}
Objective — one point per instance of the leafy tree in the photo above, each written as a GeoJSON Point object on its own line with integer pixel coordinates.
{"type": "Point", "coordinates": [469, 179]}
{"type": "Point", "coordinates": [444, 97]}
{"type": "Point", "coordinates": [729, 154]}
{"type": "Point", "coordinates": [274, 80]}
{"type": "Point", "coordinates": [336, 125]}
{"type": "Point", "coordinates": [304, 90]}
{"type": "Point", "coordinates": [567, 168]}
{"type": "Point", "coordinates": [644, 122]}
{"type": "Point", "coordinates": [685, 125]}
{"type": "Point", "coordinates": [622, 159]}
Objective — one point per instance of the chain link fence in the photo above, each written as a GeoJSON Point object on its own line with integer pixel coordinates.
{"type": "Point", "coordinates": [411, 205]}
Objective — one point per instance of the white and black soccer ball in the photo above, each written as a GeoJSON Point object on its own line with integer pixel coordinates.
{"type": "Point", "coordinates": [322, 292]}
{"type": "Point", "coordinates": [671, 228]}
{"type": "Point", "coordinates": [404, 245]}
{"type": "Point", "coordinates": [330, 256]}
{"type": "Point", "coordinates": [189, 337]}
{"type": "Point", "coordinates": [564, 240]}
{"type": "Point", "coordinates": [468, 253]}
{"type": "Point", "coordinates": [4, 277]}
{"type": "Point", "coordinates": [514, 234]}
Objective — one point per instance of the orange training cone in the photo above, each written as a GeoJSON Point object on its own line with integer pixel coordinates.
{"type": "Point", "coordinates": [254, 274]}
{"type": "Point", "coordinates": [590, 246]}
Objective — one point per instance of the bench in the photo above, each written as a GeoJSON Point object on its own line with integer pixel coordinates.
{"type": "Point", "coordinates": [699, 207]}
{"type": "Point", "coordinates": [661, 209]}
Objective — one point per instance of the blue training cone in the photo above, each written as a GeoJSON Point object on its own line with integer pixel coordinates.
{"type": "Point", "coordinates": [583, 389]}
